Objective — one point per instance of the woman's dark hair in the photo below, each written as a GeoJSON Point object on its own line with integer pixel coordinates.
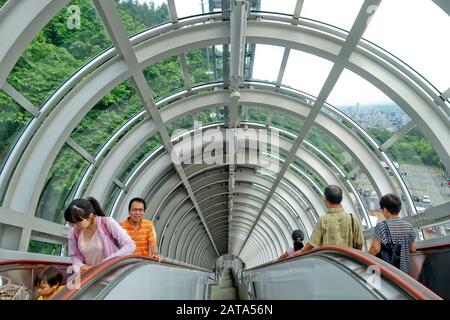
{"type": "Point", "coordinates": [51, 275]}
{"type": "Point", "coordinates": [79, 209]}
{"type": "Point", "coordinates": [391, 202]}
{"type": "Point", "coordinates": [298, 236]}
{"type": "Point", "coordinates": [97, 207]}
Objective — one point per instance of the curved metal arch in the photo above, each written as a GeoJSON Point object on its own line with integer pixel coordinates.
{"type": "Point", "coordinates": [268, 225]}
{"type": "Point", "coordinates": [261, 237]}
{"type": "Point", "coordinates": [183, 223]}
{"type": "Point", "coordinates": [176, 201]}
{"type": "Point", "coordinates": [169, 224]}
{"type": "Point", "coordinates": [300, 159]}
{"type": "Point", "coordinates": [194, 225]}
{"type": "Point", "coordinates": [188, 254]}
{"type": "Point", "coordinates": [265, 256]}
{"type": "Point", "coordinates": [257, 247]}
{"type": "Point", "coordinates": [377, 175]}
{"type": "Point", "coordinates": [171, 215]}
{"type": "Point", "coordinates": [200, 245]}
{"type": "Point", "coordinates": [191, 223]}
{"type": "Point", "coordinates": [280, 236]}
{"type": "Point", "coordinates": [200, 257]}
{"type": "Point", "coordinates": [247, 203]}
{"type": "Point", "coordinates": [242, 202]}
{"type": "Point", "coordinates": [279, 221]}
{"type": "Point", "coordinates": [257, 31]}
{"type": "Point", "coordinates": [238, 202]}
{"type": "Point", "coordinates": [273, 245]}
{"type": "Point", "coordinates": [272, 209]}
{"type": "Point", "coordinates": [131, 142]}
{"type": "Point", "coordinates": [240, 173]}
{"type": "Point", "coordinates": [311, 161]}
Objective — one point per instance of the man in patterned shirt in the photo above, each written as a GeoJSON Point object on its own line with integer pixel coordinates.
{"type": "Point", "coordinates": [337, 227]}
{"type": "Point", "coordinates": [394, 230]}
{"type": "Point", "coordinates": [141, 230]}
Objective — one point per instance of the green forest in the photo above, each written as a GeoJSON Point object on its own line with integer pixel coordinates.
{"type": "Point", "coordinates": [57, 52]}
{"type": "Point", "coordinates": [411, 149]}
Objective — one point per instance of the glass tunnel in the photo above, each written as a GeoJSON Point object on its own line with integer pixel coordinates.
{"type": "Point", "coordinates": [229, 118]}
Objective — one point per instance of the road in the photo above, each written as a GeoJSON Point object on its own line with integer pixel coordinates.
{"type": "Point", "coordinates": [421, 180]}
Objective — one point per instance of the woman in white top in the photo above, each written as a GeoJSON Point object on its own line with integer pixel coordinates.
{"type": "Point", "coordinates": [297, 237]}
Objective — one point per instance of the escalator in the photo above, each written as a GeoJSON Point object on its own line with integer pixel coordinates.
{"type": "Point", "coordinates": [23, 272]}
{"type": "Point", "coordinates": [139, 278]}
{"type": "Point", "coordinates": [324, 273]}
{"type": "Point", "coordinates": [333, 273]}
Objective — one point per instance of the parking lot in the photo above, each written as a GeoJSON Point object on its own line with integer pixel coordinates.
{"type": "Point", "coordinates": [424, 184]}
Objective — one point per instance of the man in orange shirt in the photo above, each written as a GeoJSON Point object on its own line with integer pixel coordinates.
{"type": "Point", "coordinates": [141, 230]}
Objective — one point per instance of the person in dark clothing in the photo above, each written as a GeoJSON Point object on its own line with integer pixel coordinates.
{"type": "Point", "coordinates": [434, 273]}
{"type": "Point", "coordinates": [297, 237]}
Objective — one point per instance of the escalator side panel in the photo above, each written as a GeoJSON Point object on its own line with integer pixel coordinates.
{"type": "Point", "coordinates": [308, 279]}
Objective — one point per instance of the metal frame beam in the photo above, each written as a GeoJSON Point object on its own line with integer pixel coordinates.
{"type": "Point", "coordinates": [114, 25]}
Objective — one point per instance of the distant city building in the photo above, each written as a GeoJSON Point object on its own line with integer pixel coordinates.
{"type": "Point", "coordinates": [383, 117]}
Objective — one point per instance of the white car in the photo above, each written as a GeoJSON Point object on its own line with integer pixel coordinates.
{"type": "Point", "coordinates": [426, 199]}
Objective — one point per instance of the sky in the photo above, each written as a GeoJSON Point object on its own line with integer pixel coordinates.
{"type": "Point", "coordinates": [416, 31]}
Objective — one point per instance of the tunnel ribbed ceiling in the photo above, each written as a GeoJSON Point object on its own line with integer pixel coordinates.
{"type": "Point", "coordinates": [114, 114]}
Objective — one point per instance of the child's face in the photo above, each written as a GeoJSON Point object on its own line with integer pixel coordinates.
{"type": "Point", "coordinates": [44, 289]}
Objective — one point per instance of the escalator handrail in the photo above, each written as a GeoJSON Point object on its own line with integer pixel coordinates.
{"type": "Point", "coordinates": [401, 279]}
{"type": "Point", "coordinates": [433, 247]}
{"type": "Point", "coordinates": [104, 267]}
{"type": "Point", "coordinates": [31, 262]}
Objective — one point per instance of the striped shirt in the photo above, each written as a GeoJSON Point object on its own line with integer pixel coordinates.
{"type": "Point", "coordinates": [402, 233]}
{"type": "Point", "coordinates": [143, 236]}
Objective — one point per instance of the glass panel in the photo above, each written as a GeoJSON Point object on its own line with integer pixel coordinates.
{"type": "Point", "coordinates": [314, 176]}
{"type": "Point", "coordinates": [263, 70]}
{"type": "Point", "coordinates": [44, 247]}
{"type": "Point", "coordinates": [306, 72]}
{"type": "Point", "coordinates": [413, 36]}
{"type": "Point", "coordinates": [212, 115]}
{"type": "Point", "coordinates": [13, 120]}
{"type": "Point", "coordinates": [348, 165]}
{"type": "Point", "coordinates": [165, 77]}
{"type": "Point", "coordinates": [185, 123]}
{"type": "Point", "coordinates": [113, 192]}
{"type": "Point", "coordinates": [340, 178]}
{"type": "Point", "coordinates": [108, 115]}
{"type": "Point", "coordinates": [141, 15]}
{"type": "Point", "coordinates": [100, 159]}
{"type": "Point", "coordinates": [437, 231]}
{"type": "Point", "coordinates": [285, 6]}
{"type": "Point", "coordinates": [287, 122]}
{"type": "Point", "coordinates": [205, 65]}
{"type": "Point", "coordinates": [254, 114]}
{"type": "Point", "coordinates": [367, 106]}
{"type": "Point", "coordinates": [341, 14]}
{"type": "Point", "coordinates": [422, 170]}
{"type": "Point", "coordinates": [186, 8]}
{"type": "Point", "coordinates": [141, 153]}
{"type": "Point", "coordinates": [58, 51]}
{"type": "Point", "coordinates": [61, 184]}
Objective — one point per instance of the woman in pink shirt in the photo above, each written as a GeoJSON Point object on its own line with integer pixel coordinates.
{"type": "Point", "coordinates": [93, 237]}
